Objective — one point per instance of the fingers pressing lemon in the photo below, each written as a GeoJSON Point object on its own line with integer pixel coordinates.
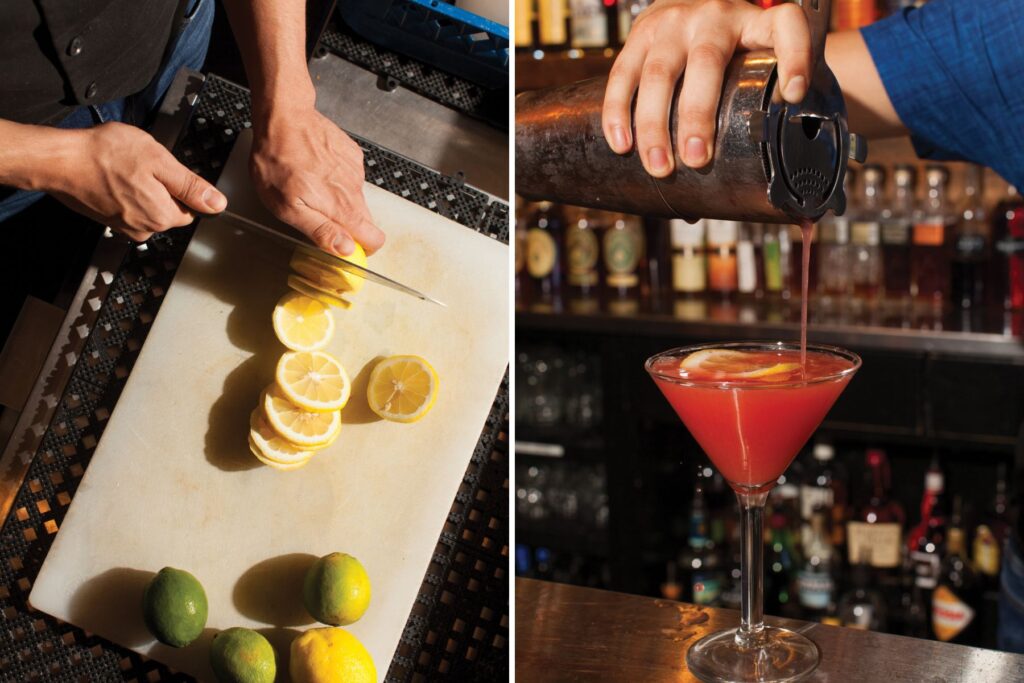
{"type": "Point", "coordinates": [323, 278]}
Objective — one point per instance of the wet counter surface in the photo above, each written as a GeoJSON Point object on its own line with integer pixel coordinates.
{"type": "Point", "coordinates": [567, 633]}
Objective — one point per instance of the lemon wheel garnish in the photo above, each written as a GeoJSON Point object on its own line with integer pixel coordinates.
{"type": "Point", "coordinates": [267, 461]}
{"type": "Point", "coordinates": [313, 380]}
{"type": "Point", "coordinates": [313, 291]}
{"type": "Point", "coordinates": [402, 388]}
{"type": "Point", "coordinates": [304, 429]}
{"type": "Point", "coordinates": [274, 446]}
{"type": "Point", "coordinates": [302, 323]}
{"type": "Point", "coordinates": [733, 364]}
{"type": "Point", "coordinates": [320, 265]}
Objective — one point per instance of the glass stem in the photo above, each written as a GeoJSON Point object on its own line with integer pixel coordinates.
{"type": "Point", "coordinates": [751, 568]}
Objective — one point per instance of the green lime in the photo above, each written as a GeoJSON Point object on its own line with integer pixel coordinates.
{"type": "Point", "coordinates": [240, 655]}
{"type": "Point", "coordinates": [174, 607]}
{"type": "Point", "coordinates": [336, 590]}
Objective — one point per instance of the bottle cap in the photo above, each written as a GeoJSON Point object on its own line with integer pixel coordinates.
{"type": "Point", "coordinates": [824, 451]}
{"type": "Point", "coordinates": [934, 481]}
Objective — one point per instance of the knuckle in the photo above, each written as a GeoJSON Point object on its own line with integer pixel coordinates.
{"type": "Point", "coordinates": [658, 70]}
{"type": "Point", "coordinates": [708, 55]}
{"type": "Point", "coordinates": [323, 234]}
{"type": "Point", "coordinates": [696, 119]}
{"type": "Point", "coordinates": [189, 185]}
{"type": "Point", "coordinates": [716, 9]}
{"type": "Point", "coordinates": [787, 11]}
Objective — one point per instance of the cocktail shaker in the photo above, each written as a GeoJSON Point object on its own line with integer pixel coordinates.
{"type": "Point", "coordinates": [774, 161]}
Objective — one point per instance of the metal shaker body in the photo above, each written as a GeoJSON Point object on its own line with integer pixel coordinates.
{"type": "Point", "coordinates": [773, 161]}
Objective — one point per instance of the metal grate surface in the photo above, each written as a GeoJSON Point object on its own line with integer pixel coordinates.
{"type": "Point", "coordinates": [458, 626]}
{"type": "Point", "coordinates": [454, 92]}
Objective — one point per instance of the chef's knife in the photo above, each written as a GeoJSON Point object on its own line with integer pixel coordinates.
{"type": "Point", "coordinates": [343, 264]}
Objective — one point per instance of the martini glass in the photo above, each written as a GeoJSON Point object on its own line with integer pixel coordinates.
{"type": "Point", "coordinates": [752, 419]}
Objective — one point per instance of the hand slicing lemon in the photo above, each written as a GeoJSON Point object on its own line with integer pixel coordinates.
{"type": "Point", "coordinates": [727, 364]}
{"type": "Point", "coordinates": [402, 388]}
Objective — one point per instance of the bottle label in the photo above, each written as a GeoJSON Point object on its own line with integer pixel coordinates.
{"type": "Point", "coordinates": [551, 15]}
{"type": "Point", "coordinates": [622, 249]}
{"type": "Point", "coordinates": [541, 253]}
{"type": "Point", "coordinates": [722, 269]}
{"type": "Point", "coordinates": [878, 543]}
{"type": "Point", "coordinates": [950, 615]}
{"type": "Point", "coordinates": [589, 28]}
{"type": "Point", "coordinates": [929, 234]}
{"type": "Point", "coordinates": [772, 266]}
{"type": "Point", "coordinates": [986, 552]}
{"type": "Point", "coordinates": [926, 569]}
{"type": "Point", "coordinates": [812, 497]}
{"type": "Point", "coordinates": [582, 252]}
{"type": "Point", "coordinates": [688, 271]}
{"type": "Point", "coordinates": [746, 267]}
{"type": "Point", "coordinates": [896, 233]}
{"type": "Point", "coordinates": [706, 589]}
{"type": "Point", "coordinates": [865, 233]}
{"type": "Point", "coordinates": [814, 589]}
{"type": "Point", "coordinates": [970, 245]}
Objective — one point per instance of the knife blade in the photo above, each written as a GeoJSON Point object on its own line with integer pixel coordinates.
{"type": "Point", "coordinates": [347, 266]}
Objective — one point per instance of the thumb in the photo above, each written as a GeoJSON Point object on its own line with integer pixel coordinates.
{"type": "Point", "coordinates": [191, 190]}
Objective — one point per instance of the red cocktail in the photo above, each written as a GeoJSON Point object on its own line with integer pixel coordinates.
{"type": "Point", "coordinates": [752, 406]}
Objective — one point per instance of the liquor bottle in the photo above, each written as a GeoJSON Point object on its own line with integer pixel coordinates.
{"type": "Point", "coordinates": [746, 262]}
{"type": "Point", "coordinates": [970, 247]}
{"type": "Point", "coordinates": [866, 237]}
{"type": "Point", "coordinates": [553, 22]}
{"type": "Point", "coordinates": [721, 253]}
{"type": "Point", "coordinates": [862, 606]}
{"type": "Point", "coordinates": [1008, 241]}
{"type": "Point", "coordinates": [876, 530]}
{"type": "Point", "coordinates": [544, 256]}
{"type": "Point", "coordinates": [656, 266]}
{"type": "Point", "coordinates": [835, 284]}
{"type": "Point", "coordinates": [772, 261]}
{"type": "Point", "coordinates": [583, 252]}
{"type": "Point", "coordinates": [815, 582]}
{"type": "Point", "coordinates": [897, 223]}
{"type": "Point", "coordinates": [783, 558]}
{"type": "Point", "coordinates": [700, 559]}
{"type": "Point", "coordinates": [623, 247]}
{"type": "Point", "coordinates": [930, 535]}
{"type": "Point", "coordinates": [628, 12]}
{"type": "Point", "coordinates": [957, 596]}
{"type": "Point", "coordinates": [990, 535]}
{"type": "Point", "coordinates": [523, 215]}
{"type": "Point", "coordinates": [589, 23]}
{"type": "Point", "coordinates": [689, 278]}
{"type": "Point", "coordinates": [932, 242]}
{"type": "Point", "coordinates": [818, 489]}
{"type": "Point", "coordinates": [524, 23]}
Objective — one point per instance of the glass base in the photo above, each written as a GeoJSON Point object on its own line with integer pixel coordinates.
{"type": "Point", "coordinates": [778, 655]}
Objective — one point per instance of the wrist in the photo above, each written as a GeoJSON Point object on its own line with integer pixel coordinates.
{"type": "Point", "coordinates": [276, 102]}
{"type": "Point", "coordinates": [39, 158]}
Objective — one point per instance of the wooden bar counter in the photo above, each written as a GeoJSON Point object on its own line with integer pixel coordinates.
{"type": "Point", "coordinates": [567, 633]}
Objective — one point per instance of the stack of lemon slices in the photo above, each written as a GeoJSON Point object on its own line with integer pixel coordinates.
{"type": "Point", "coordinates": [300, 412]}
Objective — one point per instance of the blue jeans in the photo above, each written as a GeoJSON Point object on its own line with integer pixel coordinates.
{"type": "Point", "coordinates": [189, 51]}
{"type": "Point", "coordinates": [1011, 599]}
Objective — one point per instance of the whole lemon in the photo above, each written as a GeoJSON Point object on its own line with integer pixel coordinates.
{"type": "Point", "coordinates": [240, 655]}
{"type": "Point", "coordinates": [330, 655]}
{"type": "Point", "coordinates": [174, 607]}
{"type": "Point", "coordinates": [336, 590]}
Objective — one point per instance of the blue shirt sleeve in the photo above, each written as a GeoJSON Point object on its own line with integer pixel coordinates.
{"type": "Point", "coordinates": [954, 70]}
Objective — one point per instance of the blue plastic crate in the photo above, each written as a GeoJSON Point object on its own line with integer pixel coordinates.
{"type": "Point", "coordinates": [447, 37]}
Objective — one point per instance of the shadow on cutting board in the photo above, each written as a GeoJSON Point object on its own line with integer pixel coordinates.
{"type": "Point", "coordinates": [357, 410]}
{"type": "Point", "coordinates": [281, 640]}
{"type": "Point", "coordinates": [110, 604]}
{"type": "Point", "coordinates": [227, 445]}
{"type": "Point", "coordinates": [271, 591]}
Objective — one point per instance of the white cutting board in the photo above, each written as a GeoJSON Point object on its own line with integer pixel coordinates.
{"type": "Point", "coordinates": [172, 482]}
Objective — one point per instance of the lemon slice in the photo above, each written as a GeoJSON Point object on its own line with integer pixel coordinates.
{"type": "Point", "coordinates": [302, 323]}
{"type": "Point", "coordinates": [402, 388]}
{"type": "Point", "coordinates": [729, 364]}
{"type": "Point", "coordinates": [320, 265]}
{"type": "Point", "coordinates": [301, 427]}
{"type": "Point", "coordinates": [267, 461]}
{"type": "Point", "coordinates": [272, 445]}
{"type": "Point", "coordinates": [310, 289]}
{"type": "Point", "coordinates": [313, 380]}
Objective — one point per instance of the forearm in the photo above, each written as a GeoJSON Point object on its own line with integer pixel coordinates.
{"type": "Point", "coordinates": [271, 36]}
{"type": "Point", "coordinates": [869, 108]}
{"type": "Point", "coordinates": [35, 157]}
